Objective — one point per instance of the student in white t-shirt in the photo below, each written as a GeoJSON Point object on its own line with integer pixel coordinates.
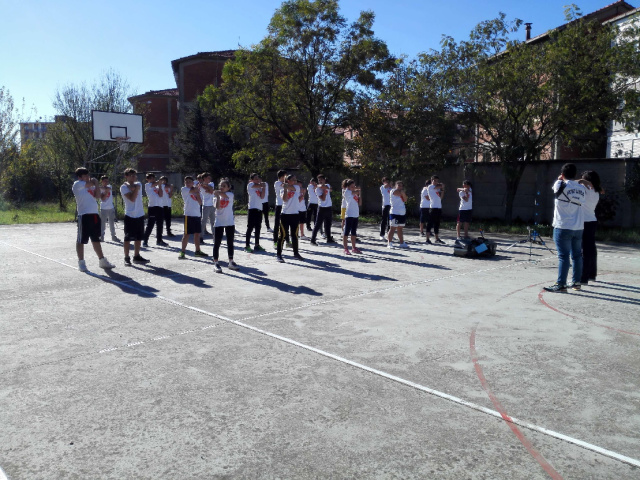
{"type": "Point", "coordinates": [131, 192]}
{"type": "Point", "coordinates": [397, 214]}
{"type": "Point", "coordinates": [591, 181]}
{"type": "Point", "coordinates": [312, 209]}
{"type": "Point", "coordinates": [385, 191]}
{"type": "Point", "coordinates": [302, 209]}
{"type": "Point", "coordinates": [255, 191]}
{"type": "Point", "coordinates": [265, 208]}
{"type": "Point", "coordinates": [154, 192]}
{"type": "Point", "coordinates": [290, 217]}
{"type": "Point", "coordinates": [436, 192]}
{"type": "Point", "coordinates": [192, 220]}
{"type": "Point", "coordinates": [225, 223]}
{"type": "Point", "coordinates": [206, 187]}
{"type": "Point", "coordinates": [277, 192]}
{"type": "Point", "coordinates": [465, 209]}
{"type": "Point", "coordinates": [425, 202]}
{"type": "Point", "coordinates": [85, 189]}
{"type": "Point", "coordinates": [167, 204]}
{"type": "Point", "coordinates": [107, 209]}
{"type": "Point", "coordinates": [343, 204]}
{"type": "Point", "coordinates": [352, 212]}
{"type": "Point", "coordinates": [325, 210]}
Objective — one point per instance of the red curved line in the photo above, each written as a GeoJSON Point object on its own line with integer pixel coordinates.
{"type": "Point", "coordinates": [498, 406]}
{"type": "Point", "coordinates": [583, 319]}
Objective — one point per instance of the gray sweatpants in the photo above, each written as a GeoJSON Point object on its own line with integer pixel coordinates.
{"type": "Point", "coordinates": [208, 214]}
{"type": "Point", "coordinates": [108, 215]}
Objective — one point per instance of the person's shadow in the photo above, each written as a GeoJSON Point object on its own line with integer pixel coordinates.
{"type": "Point", "coordinates": [320, 265]}
{"type": "Point", "coordinates": [126, 284]}
{"type": "Point", "coordinates": [257, 276]}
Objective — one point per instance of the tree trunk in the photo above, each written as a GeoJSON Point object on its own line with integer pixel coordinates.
{"type": "Point", "coordinates": [513, 173]}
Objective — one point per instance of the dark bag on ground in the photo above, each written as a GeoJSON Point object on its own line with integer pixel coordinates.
{"type": "Point", "coordinates": [477, 247]}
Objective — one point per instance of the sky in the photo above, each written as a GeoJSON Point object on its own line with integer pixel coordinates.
{"type": "Point", "coordinates": [48, 44]}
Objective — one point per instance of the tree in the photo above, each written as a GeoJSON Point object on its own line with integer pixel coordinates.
{"type": "Point", "coordinates": [202, 145]}
{"type": "Point", "coordinates": [524, 96]}
{"type": "Point", "coordinates": [72, 137]}
{"type": "Point", "coordinates": [404, 128]}
{"type": "Point", "coordinates": [8, 122]}
{"type": "Point", "coordinates": [287, 98]}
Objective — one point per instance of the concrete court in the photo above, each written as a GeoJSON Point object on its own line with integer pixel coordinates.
{"type": "Point", "coordinates": [155, 372]}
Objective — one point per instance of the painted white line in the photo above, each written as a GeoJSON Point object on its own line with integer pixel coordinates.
{"type": "Point", "coordinates": [3, 476]}
{"type": "Point", "coordinates": [588, 446]}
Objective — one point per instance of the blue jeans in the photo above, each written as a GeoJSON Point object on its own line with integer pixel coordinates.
{"type": "Point", "coordinates": [568, 244]}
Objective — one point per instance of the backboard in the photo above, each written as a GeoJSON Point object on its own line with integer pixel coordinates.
{"type": "Point", "coordinates": [111, 126]}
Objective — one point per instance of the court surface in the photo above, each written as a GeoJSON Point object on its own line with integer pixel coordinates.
{"type": "Point", "coordinates": [391, 364]}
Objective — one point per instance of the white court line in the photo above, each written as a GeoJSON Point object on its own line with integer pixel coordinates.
{"type": "Point", "coordinates": [388, 376]}
{"type": "Point", "coordinates": [3, 476]}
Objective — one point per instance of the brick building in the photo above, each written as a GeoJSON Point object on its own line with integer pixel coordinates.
{"type": "Point", "coordinates": [163, 109]}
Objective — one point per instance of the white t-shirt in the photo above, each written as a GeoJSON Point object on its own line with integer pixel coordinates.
{"type": "Point", "coordinates": [434, 197]}
{"type": "Point", "coordinates": [254, 196]}
{"type": "Point", "coordinates": [132, 209]}
{"type": "Point", "coordinates": [224, 211]}
{"type": "Point", "coordinates": [277, 190]}
{"type": "Point", "coordinates": [313, 198]}
{"type": "Point", "coordinates": [191, 205]}
{"type": "Point", "coordinates": [351, 201]}
{"type": "Point", "coordinates": [85, 198]}
{"type": "Point", "coordinates": [108, 203]}
{"type": "Point", "coordinates": [291, 205]}
{"type": "Point", "coordinates": [302, 206]}
{"type": "Point", "coordinates": [343, 202]}
{"type": "Point", "coordinates": [589, 205]}
{"type": "Point", "coordinates": [397, 205]}
{"type": "Point", "coordinates": [468, 205]}
{"type": "Point", "coordinates": [386, 192]}
{"type": "Point", "coordinates": [207, 198]}
{"type": "Point", "coordinates": [155, 200]}
{"type": "Point", "coordinates": [266, 193]}
{"type": "Point", "coordinates": [568, 213]}
{"type": "Point", "coordinates": [327, 201]}
{"type": "Point", "coordinates": [166, 197]}
{"type": "Point", "coordinates": [424, 200]}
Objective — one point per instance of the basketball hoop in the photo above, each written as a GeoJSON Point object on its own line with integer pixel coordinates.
{"type": "Point", "coordinates": [123, 143]}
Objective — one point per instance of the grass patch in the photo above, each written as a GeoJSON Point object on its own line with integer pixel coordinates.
{"type": "Point", "coordinates": [35, 213]}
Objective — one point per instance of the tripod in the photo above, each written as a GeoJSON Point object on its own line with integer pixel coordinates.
{"type": "Point", "coordinates": [532, 237]}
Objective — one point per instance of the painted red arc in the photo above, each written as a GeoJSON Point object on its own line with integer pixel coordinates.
{"type": "Point", "coordinates": [501, 410]}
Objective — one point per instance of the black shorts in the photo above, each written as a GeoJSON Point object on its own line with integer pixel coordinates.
{"type": "Point", "coordinates": [464, 216]}
{"type": "Point", "coordinates": [192, 225]}
{"type": "Point", "coordinates": [133, 229]}
{"type": "Point", "coordinates": [303, 217]}
{"type": "Point", "coordinates": [350, 226]}
{"type": "Point", "coordinates": [89, 227]}
{"type": "Point", "coordinates": [397, 220]}
{"type": "Point", "coordinates": [424, 215]}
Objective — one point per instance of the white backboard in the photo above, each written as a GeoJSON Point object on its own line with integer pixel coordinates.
{"type": "Point", "coordinates": [108, 126]}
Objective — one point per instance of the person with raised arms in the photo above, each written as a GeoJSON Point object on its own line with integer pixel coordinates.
{"type": "Point", "coordinates": [466, 208]}
{"type": "Point", "coordinates": [352, 212]}
{"type": "Point", "coordinates": [225, 224]}
{"type": "Point", "coordinates": [385, 191]}
{"type": "Point", "coordinates": [206, 187]}
{"type": "Point", "coordinates": [154, 193]}
{"type": "Point", "coordinates": [167, 204]}
{"type": "Point", "coordinates": [192, 220]}
{"type": "Point", "coordinates": [255, 190]}
{"type": "Point", "coordinates": [397, 214]}
{"type": "Point", "coordinates": [131, 192]}
{"type": "Point", "coordinates": [325, 212]}
{"type": "Point", "coordinates": [277, 189]}
{"type": "Point", "coordinates": [290, 217]}
{"type": "Point", "coordinates": [312, 209]}
{"type": "Point", "coordinates": [436, 192]}
{"type": "Point", "coordinates": [86, 189]}
{"type": "Point", "coordinates": [265, 207]}
{"type": "Point", "coordinates": [302, 209]}
{"type": "Point", "coordinates": [424, 206]}
{"type": "Point", "coordinates": [107, 209]}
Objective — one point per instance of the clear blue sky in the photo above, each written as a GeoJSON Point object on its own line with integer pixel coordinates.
{"type": "Point", "coordinates": [47, 44]}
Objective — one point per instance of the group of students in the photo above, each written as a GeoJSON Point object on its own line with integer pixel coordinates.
{"type": "Point", "coordinates": [394, 210]}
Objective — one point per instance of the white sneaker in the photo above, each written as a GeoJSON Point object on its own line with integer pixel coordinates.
{"type": "Point", "coordinates": [323, 235]}
{"type": "Point", "coordinates": [382, 237]}
{"type": "Point", "coordinates": [82, 265]}
{"type": "Point", "coordinates": [233, 266]}
{"type": "Point", "coordinates": [303, 236]}
{"type": "Point", "coordinates": [390, 245]}
{"type": "Point", "coordinates": [403, 245]}
{"type": "Point", "coordinates": [216, 268]}
{"type": "Point", "coordinates": [104, 263]}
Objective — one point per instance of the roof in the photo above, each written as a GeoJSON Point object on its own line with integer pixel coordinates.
{"type": "Point", "coordinates": [604, 14]}
{"type": "Point", "coordinates": [635, 11]}
{"type": "Point", "coordinates": [168, 92]}
{"type": "Point", "coordinates": [219, 55]}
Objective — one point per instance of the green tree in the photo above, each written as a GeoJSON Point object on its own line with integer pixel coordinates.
{"type": "Point", "coordinates": [287, 98]}
{"type": "Point", "coordinates": [201, 145]}
{"type": "Point", "coordinates": [524, 96]}
{"type": "Point", "coordinates": [404, 128]}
